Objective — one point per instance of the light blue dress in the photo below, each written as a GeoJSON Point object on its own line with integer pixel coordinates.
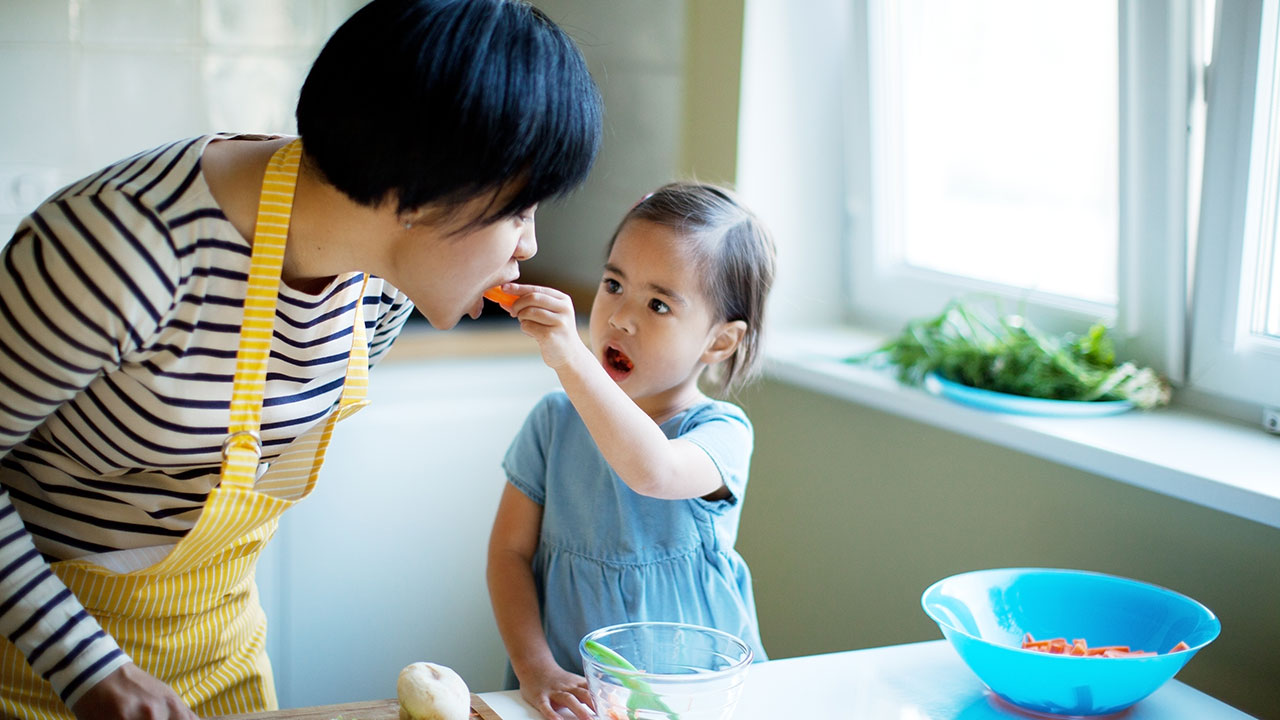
{"type": "Point", "coordinates": [608, 555]}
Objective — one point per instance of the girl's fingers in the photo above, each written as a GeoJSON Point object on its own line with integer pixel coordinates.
{"type": "Point", "coordinates": [574, 705]}
{"type": "Point", "coordinates": [550, 292]}
{"type": "Point", "coordinates": [549, 707]}
{"type": "Point", "coordinates": [542, 316]}
{"type": "Point", "coordinates": [546, 297]}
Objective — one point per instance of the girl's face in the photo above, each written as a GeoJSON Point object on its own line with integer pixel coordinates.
{"type": "Point", "coordinates": [652, 328]}
{"type": "Point", "coordinates": [444, 271]}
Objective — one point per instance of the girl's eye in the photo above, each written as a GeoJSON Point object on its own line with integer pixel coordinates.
{"type": "Point", "coordinates": [611, 286]}
{"type": "Point", "coordinates": [659, 307]}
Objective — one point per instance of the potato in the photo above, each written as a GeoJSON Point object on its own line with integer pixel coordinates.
{"type": "Point", "coordinates": [428, 691]}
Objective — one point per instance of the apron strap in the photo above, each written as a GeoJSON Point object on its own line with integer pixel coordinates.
{"type": "Point", "coordinates": [242, 450]}
{"type": "Point", "coordinates": [355, 386]}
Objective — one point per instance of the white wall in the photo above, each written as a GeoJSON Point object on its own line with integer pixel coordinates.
{"type": "Point", "coordinates": [790, 154]}
{"type": "Point", "coordinates": [383, 565]}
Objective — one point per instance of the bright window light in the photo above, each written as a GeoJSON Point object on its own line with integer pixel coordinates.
{"type": "Point", "coordinates": [1008, 141]}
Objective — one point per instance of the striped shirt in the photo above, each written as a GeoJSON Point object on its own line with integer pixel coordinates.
{"type": "Point", "coordinates": [120, 306]}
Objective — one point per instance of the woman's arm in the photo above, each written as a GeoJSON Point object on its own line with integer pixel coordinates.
{"type": "Point", "coordinates": [635, 447]}
{"type": "Point", "coordinates": [70, 308]}
{"type": "Point", "coordinates": [512, 544]}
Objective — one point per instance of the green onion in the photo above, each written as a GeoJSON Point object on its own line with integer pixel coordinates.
{"type": "Point", "coordinates": [642, 696]}
{"type": "Point", "coordinates": [1009, 355]}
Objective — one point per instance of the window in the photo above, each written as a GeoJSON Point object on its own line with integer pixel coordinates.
{"type": "Point", "coordinates": [1036, 152]}
{"type": "Point", "coordinates": [1236, 312]}
{"type": "Point", "coordinates": [1178, 229]}
{"type": "Point", "coordinates": [999, 160]}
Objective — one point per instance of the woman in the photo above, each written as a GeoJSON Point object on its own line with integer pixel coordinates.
{"type": "Point", "coordinates": [180, 331]}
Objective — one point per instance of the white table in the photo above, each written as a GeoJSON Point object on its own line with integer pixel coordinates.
{"type": "Point", "coordinates": [919, 681]}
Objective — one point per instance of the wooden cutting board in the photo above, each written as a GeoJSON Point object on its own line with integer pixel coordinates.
{"type": "Point", "coordinates": [367, 710]}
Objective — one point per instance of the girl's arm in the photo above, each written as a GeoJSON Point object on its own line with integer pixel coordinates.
{"type": "Point", "coordinates": [635, 447]}
{"type": "Point", "coordinates": [543, 683]}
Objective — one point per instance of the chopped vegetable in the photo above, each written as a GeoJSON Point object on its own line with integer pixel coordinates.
{"type": "Point", "coordinates": [642, 696]}
{"type": "Point", "coordinates": [1009, 355]}
{"type": "Point", "coordinates": [500, 296]}
{"type": "Point", "coordinates": [1079, 648]}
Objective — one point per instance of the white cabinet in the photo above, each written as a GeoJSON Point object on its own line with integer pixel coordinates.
{"type": "Point", "coordinates": [383, 564]}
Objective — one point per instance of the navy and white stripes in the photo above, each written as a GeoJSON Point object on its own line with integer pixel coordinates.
{"type": "Point", "coordinates": [120, 306]}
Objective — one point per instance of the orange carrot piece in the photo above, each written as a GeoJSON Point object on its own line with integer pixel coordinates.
{"type": "Point", "coordinates": [498, 295]}
{"type": "Point", "coordinates": [1079, 648]}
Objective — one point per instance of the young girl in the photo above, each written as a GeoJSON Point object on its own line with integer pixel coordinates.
{"type": "Point", "coordinates": [625, 489]}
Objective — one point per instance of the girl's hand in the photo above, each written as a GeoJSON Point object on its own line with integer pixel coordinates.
{"type": "Point", "coordinates": [551, 689]}
{"type": "Point", "coordinates": [547, 316]}
{"type": "Point", "coordinates": [129, 692]}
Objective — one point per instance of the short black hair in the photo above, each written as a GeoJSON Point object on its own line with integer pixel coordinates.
{"type": "Point", "coordinates": [443, 101]}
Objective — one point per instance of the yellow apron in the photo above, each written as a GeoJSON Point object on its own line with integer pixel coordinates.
{"type": "Point", "coordinates": [193, 619]}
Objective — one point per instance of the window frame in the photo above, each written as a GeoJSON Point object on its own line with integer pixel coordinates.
{"type": "Point", "coordinates": [1158, 71]}
{"type": "Point", "coordinates": [1225, 360]}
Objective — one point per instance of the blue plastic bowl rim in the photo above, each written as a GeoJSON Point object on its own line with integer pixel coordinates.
{"type": "Point", "coordinates": [670, 677]}
{"type": "Point", "coordinates": [1068, 571]}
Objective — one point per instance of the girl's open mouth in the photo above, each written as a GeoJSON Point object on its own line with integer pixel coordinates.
{"type": "Point", "coordinates": [616, 363]}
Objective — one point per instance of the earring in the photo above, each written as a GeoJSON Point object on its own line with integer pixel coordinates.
{"type": "Point", "coordinates": [408, 225]}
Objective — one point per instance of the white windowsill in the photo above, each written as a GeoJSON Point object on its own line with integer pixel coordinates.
{"type": "Point", "coordinates": [1184, 453]}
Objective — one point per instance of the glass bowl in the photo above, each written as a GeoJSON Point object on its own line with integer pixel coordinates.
{"type": "Point", "coordinates": [985, 615]}
{"type": "Point", "coordinates": [664, 671]}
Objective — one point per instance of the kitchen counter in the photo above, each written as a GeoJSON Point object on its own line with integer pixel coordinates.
{"type": "Point", "coordinates": [919, 681]}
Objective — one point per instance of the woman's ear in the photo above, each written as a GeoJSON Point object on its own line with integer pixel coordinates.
{"type": "Point", "coordinates": [724, 342]}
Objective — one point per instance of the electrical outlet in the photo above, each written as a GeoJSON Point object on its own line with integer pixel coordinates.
{"type": "Point", "coordinates": [1271, 420]}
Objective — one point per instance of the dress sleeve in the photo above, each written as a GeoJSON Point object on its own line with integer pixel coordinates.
{"type": "Point", "coordinates": [723, 431]}
{"type": "Point", "coordinates": [526, 461]}
{"type": "Point", "coordinates": [84, 282]}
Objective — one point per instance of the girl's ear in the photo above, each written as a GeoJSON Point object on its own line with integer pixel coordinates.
{"type": "Point", "coordinates": [725, 341]}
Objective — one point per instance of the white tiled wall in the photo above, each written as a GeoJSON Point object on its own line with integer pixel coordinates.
{"type": "Point", "coordinates": [87, 82]}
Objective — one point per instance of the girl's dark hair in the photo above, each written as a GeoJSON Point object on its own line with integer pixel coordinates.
{"type": "Point", "coordinates": [445, 101]}
{"type": "Point", "coordinates": [732, 250]}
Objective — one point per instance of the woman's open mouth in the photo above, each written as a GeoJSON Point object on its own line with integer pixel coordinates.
{"type": "Point", "coordinates": [617, 364]}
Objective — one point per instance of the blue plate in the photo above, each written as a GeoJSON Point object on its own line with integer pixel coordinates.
{"type": "Point", "coordinates": [1020, 404]}
{"type": "Point", "coordinates": [985, 613]}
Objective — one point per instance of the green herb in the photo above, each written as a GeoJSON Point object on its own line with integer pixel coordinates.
{"type": "Point", "coordinates": [641, 697]}
{"type": "Point", "coordinates": [1009, 355]}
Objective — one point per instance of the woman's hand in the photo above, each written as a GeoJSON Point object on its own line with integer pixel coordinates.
{"type": "Point", "coordinates": [547, 316]}
{"type": "Point", "coordinates": [129, 693]}
{"type": "Point", "coordinates": [551, 689]}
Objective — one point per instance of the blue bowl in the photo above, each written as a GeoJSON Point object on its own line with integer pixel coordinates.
{"type": "Point", "coordinates": [986, 613]}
